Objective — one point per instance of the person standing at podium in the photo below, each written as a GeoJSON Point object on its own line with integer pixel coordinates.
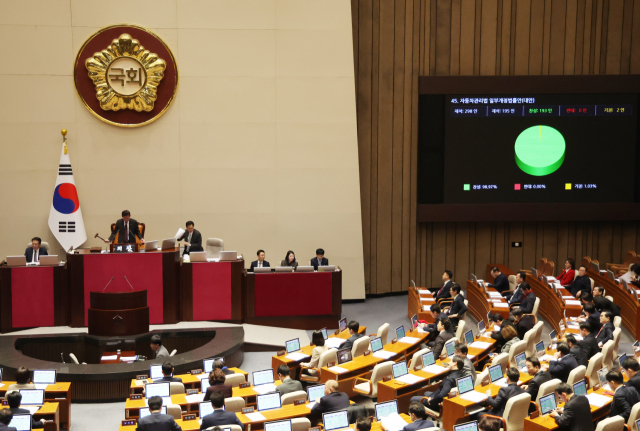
{"type": "Point", "coordinates": [192, 239]}
{"type": "Point", "coordinates": [34, 252]}
{"type": "Point", "coordinates": [127, 229]}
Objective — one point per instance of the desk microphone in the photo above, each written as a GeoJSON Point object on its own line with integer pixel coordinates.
{"type": "Point", "coordinates": [62, 356]}
{"type": "Point", "coordinates": [108, 283]}
{"type": "Point", "coordinates": [125, 277]}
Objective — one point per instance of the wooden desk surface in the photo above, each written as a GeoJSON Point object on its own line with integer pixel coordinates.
{"type": "Point", "coordinates": [186, 379]}
{"type": "Point", "coordinates": [118, 356]}
{"type": "Point", "coordinates": [56, 387]}
{"type": "Point", "coordinates": [46, 409]}
{"type": "Point", "coordinates": [286, 412]}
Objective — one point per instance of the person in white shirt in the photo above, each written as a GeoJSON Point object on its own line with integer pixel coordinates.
{"type": "Point", "coordinates": [34, 252]}
{"type": "Point", "coordinates": [260, 263]}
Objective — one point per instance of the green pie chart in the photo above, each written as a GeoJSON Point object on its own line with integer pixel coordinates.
{"type": "Point", "coordinates": [540, 150]}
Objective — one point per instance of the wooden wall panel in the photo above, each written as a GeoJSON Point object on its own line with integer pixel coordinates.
{"type": "Point", "coordinates": [397, 41]}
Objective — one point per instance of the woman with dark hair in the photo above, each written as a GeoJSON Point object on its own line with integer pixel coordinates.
{"type": "Point", "coordinates": [317, 340]}
{"type": "Point", "coordinates": [217, 384]}
{"type": "Point", "coordinates": [23, 377]}
{"type": "Point", "coordinates": [510, 335]}
{"type": "Point", "coordinates": [488, 423]}
{"type": "Point", "coordinates": [569, 273]}
{"type": "Point", "coordinates": [290, 260]}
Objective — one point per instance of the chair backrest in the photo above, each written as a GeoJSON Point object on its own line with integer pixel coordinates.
{"type": "Point", "coordinates": [43, 245]}
{"type": "Point", "coordinates": [416, 359]}
{"type": "Point", "coordinates": [595, 363]}
{"type": "Point", "coordinates": [214, 247]}
{"type": "Point", "coordinates": [633, 417]}
{"type": "Point", "coordinates": [503, 360]}
{"type": "Point", "coordinates": [383, 331]}
{"type": "Point", "coordinates": [549, 268]}
{"type": "Point", "coordinates": [481, 376]}
{"type": "Point", "coordinates": [174, 410]}
{"type": "Point", "coordinates": [536, 305]}
{"type": "Point", "coordinates": [538, 327]}
{"type": "Point", "coordinates": [360, 346]}
{"type": "Point", "coordinates": [592, 283]}
{"type": "Point", "coordinates": [516, 409]}
{"type": "Point", "coordinates": [516, 349]}
{"type": "Point", "coordinates": [330, 355]}
{"type": "Point", "coordinates": [230, 427]}
{"type": "Point", "coordinates": [460, 331]}
{"type": "Point", "coordinates": [607, 354]}
{"type": "Point", "coordinates": [530, 340]}
{"type": "Point", "coordinates": [547, 388]}
{"type": "Point", "coordinates": [234, 404]}
{"type": "Point", "coordinates": [300, 424]}
{"type": "Point", "coordinates": [615, 423]}
{"type": "Point", "coordinates": [610, 298]}
{"type": "Point", "coordinates": [73, 358]}
{"type": "Point", "coordinates": [577, 374]}
{"type": "Point", "coordinates": [173, 352]}
{"type": "Point", "coordinates": [617, 321]}
{"type": "Point", "coordinates": [616, 341]}
{"type": "Point", "coordinates": [512, 282]}
{"type": "Point", "coordinates": [235, 379]}
{"type": "Point", "coordinates": [541, 264]}
{"type": "Point", "coordinates": [290, 397]}
{"type": "Point", "coordinates": [380, 371]}
{"type": "Point", "coordinates": [176, 388]}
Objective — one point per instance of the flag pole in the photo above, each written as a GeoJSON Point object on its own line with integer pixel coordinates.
{"type": "Point", "coordinates": [64, 139]}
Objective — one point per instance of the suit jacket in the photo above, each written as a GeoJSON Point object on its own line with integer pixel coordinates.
{"type": "Point", "coordinates": [294, 264]}
{"type": "Point", "coordinates": [254, 264]}
{"type": "Point", "coordinates": [594, 321]}
{"type": "Point", "coordinates": [576, 415]}
{"type": "Point", "coordinates": [525, 324]}
{"type": "Point", "coordinates": [218, 418]}
{"type": "Point", "coordinates": [498, 404]}
{"type": "Point", "coordinates": [4, 427]}
{"type": "Point", "coordinates": [501, 283]}
{"type": "Point", "coordinates": [580, 284]}
{"type": "Point", "coordinates": [29, 253]}
{"type": "Point", "coordinates": [447, 384]}
{"type": "Point", "coordinates": [581, 357]}
{"type": "Point", "coordinates": [605, 334]}
{"type": "Point", "coordinates": [19, 411]}
{"type": "Point", "coordinates": [534, 384]}
{"type": "Point", "coordinates": [196, 241]}
{"type": "Point", "coordinates": [133, 230]}
{"type": "Point", "coordinates": [561, 368]}
{"type": "Point", "coordinates": [314, 262]}
{"type": "Point", "coordinates": [158, 422]}
{"type": "Point", "coordinates": [623, 400]}
{"type": "Point", "coordinates": [517, 296]}
{"type": "Point", "coordinates": [634, 382]}
{"type": "Point", "coordinates": [441, 339]}
{"type": "Point", "coordinates": [349, 343]}
{"type": "Point", "coordinates": [329, 403]}
{"type": "Point", "coordinates": [289, 385]}
{"type": "Point", "coordinates": [603, 304]}
{"type": "Point", "coordinates": [168, 380]}
{"type": "Point", "coordinates": [227, 391]}
{"type": "Point", "coordinates": [444, 291]}
{"type": "Point", "coordinates": [469, 369]}
{"type": "Point", "coordinates": [419, 424]}
{"type": "Point", "coordinates": [590, 345]}
{"type": "Point", "coordinates": [458, 306]}
{"type": "Point", "coordinates": [162, 352]}
{"type": "Point", "coordinates": [315, 358]}
{"type": "Point", "coordinates": [526, 305]}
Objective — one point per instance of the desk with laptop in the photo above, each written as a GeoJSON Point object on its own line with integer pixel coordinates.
{"type": "Point", "coordinates": [34, 401]}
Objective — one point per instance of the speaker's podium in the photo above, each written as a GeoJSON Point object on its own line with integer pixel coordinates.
{"type": "Point", "coordinates": [118, 313]}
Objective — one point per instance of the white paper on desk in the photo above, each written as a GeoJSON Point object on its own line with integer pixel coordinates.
{"type": "Point", "coordinates": [496, 328]}
{"type": "Point", "coordinates": [503, 382]}
{"type": "Point", "coordinates": [409, 340]}
{"type": "Point", "coordinates": [495, 295]}
{"type": "Point", "coordinates": [480, 345]}
{"type": "Point", "coordinates": [422, 331]}
{"type": "Point", "coordinates": [598, 400]}
{"type": "Point", "coordinates": [474, 396]}
{"type": "Point", "coordinates": [334, 342]}
{"type": "Point", "coordinates": [577, 337]}
{"type": "Point", "coordinates": [428, 300]}
{"type": "Point", "coordinates": [180, 233]}
{"type": "Point", "coordinates": [165, 401]}
{"type": "Point", "coordinates": [127, 358]}
{"type": "Point", "coordinates": [423, 291]}
{"type": "Point", "coordinates": [32, 409]}
{"type": "Point", "coordinates": [109, 358]}
{"type": "Point", "coordinates": [409, 379]}
{"type": "Point", "coordinates": [547, 358]}
{"type": "Point", "coordinates": [255, 417]}
{"type": "Point", "coordinates": [297, 356]}
{"type": "Point", "coordinates": [574, 302]}
{"type": "Point", "coordinates": [480, 281]}
{"type": "Point", "coordinates": [41, 385]}
{"type": "Point", "coordinates": [501, 305]}
{"type": "Point", "coordinates": [551, 278]}
{"type": "Point", "coordinates": [213, 259]}
{"type": "Point", "coordinates": [265, 389]}
{"type": "Point", "coordinates": [426, 307]}
{"type": "Point", "coordinates": [573, 326]}
{"type": "Point", "coordinates": [193, 398]}
{"type": "Point", "coordinates": [496, 300]}
{"type": "Point", "coordinates": [570, 297]}
{"type": "Point", "coordinates": [338, 370]}
{"type": "Point", "coordinates": [1, 385]}
{"type": "Point", "coordinates": [310, 405]}
{"type": "Point", "coordinates": [434, 369]}
{"type": "Point", "coordinates": [393, 422]}
{"type": "Point", "coordinates": [384, 354]}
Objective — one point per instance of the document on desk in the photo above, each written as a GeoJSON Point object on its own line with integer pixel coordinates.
{"type": "Point", "coordinates": [393, 422]}
{"type": "Point", "coordinates": [496, 300]}
{"type": "Point", "coordinates": [409, 379]}
{"type": "Point", "coordinates": [434, 369]}
{"type": "Point", "coordinates": [41, 386]}
{"type": "Point", "coordinates": [32, 409]}
{"type": "Point", "coordinates": [598, 400]}
{"type": "Point", "coordinates": [574, 302]}
{"type": "Point", "coordinates": [501, 305]}
{"type": "Point", "coordinates": [297, 356]}
{"type": "Point", "coordinates": [338, 370]}
{"type": "Point", "coordinates": [384, 354]}
{"type": "Point", "coordinates": [409, 340]}
{"type": "Point", "coordinates": [265, 389]}
{"type": "Point", "coordinates": [255, 417]}
{"type": "Point", "coordinates": [503, 382]}
{"type": "Point", "coordinates": [577, 337]}
{"type": "Point", "coordinates": [334, 342]}
{"type": "Point", "coordinates": [165, 401]}
{"type": "Point", "coordinates": [127, 358]}
{"type": "Point", "coordinates": [423, 291]}
{"type": "Point", "coordinates": [480, 345]}
{"type": "Point", "coordinates": [495, 295]}
{"type": "Point", "coordinates": [568, 297]}
{"type": "Point", "coordinates": [474, 396]}
{"type": "Point", "coordinates": [109, 358]}
{"type": "Point", "coordinates": [193, 398]}
{"type": "Point", "coordinates": [310, 405]}
{"type": "Point", "coordinates": [426, 307]}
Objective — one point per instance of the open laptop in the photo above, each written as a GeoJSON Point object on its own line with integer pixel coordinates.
{"type": "Point", "coordinates": [16, 260]}
{"type": "Point", "coordinates": [205, 408]}
{"type": "Point", "coordinates": [474, 278]}
{"type": "Point", "coordinates": [168, 243]}
{"type": "Point", "coordinates": [547, 403]}
{"type": "Point", "coordinates": [467, 392]}
{"type": "Point", "coordinates": [335, 420]}
{"type": "Point", "coordinates": [32, 399]}
{"type": "Point", "coordinates": [388, 412]}
{"type": "Point", "coordinates": [580, 388]}
{"type": "Point", "coordinates": [428, 359]}
{"type": "Point", "coordinates": [602, 375]}
{"type": "Point", "coordinates": [621, 359]}
{"type": "Point", "coordinates": [155, 372]}
{"type": "Point", "coordinates": [285, 269]}
{"type": "Point", "coordinates": [399, 369]}
{"type": "Point", "coordinates": [198, 256]}
{"type": "Point", "coordinates": [414, 320]}
{"type": "Point", "coordinates": [324, 333]}
{"type": "Point", "coordinates": [49, 260]}
{"type": "Point", "coordinates": [263, 381]}
{"type": "Point", "coordinates": [376, 344]}
{"type": "Point", "coordinates": [553, 335]}
{"type": "Point", "coordinates": [43, 378]}
{"type": "Point", "coordinates": [284, 425]}
{"type": "Point", "coordinates": [521, 360]}
{"type": "Point", "coordinates": [400, 332]}
{"type": "Point", "coordinates": [468, 426]}
{"type": "Point", "coordinates": [144, 411]}
{"type": "Point", "coordinates": [540, 348]}
{"type": "Point", "coordinates": [268, 401]}
{"type": "Point", "coordinates": [158, 390]}
{"type": "Point", "coordinates": [151, 245]}
{"type": "Point", "coordinates": [21, 422]}
{"type": "Point", "coordinates": [305, 269]}
{"type": "Point", "coordinates": [495, 373]}
{"type": "Point", "coordinates": [481, 327]}
{"type": "Point", "coordinates": [204, 384]}
{"type": "Point", "coordinates": [328, 268]}
{"type": "Point", "coordinates": [468, 337]}
{"type": "Point", "coordinates": [450, 346]}
{"type": "Point", "coordinates": [228, 256]}
{"type": "Point", "coordinates": [344, 356]}
{"type": "Point", "coordinates": [293, 345]}
{"type": "Point", "coordinates": [342, 324]}
{"type": "Point", "coordinates": [263, 269]}
{"type": "Point", "coordinates": [314, 393]}
{"type": "Point", "coordinates": [207, 364]}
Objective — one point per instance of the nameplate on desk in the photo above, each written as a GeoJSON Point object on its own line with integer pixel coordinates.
{"type": "Point", "coordinates": [299, 402]}
{"type": "Point", "coordinates": [386, 378]}
{"type": "Point", "coordinates": [189, 418]}
{"type": "Point", "coordinates": [337, 332]}
{"type": "Point", "coordinates": [331, 364]}
{"type": "Point", "coordinates": [128, 422]}
{"type": "Point", "coordinates": [394, 341]}
{"type": "Point", "coordinates": [451, 394]}
{"type": "Point", "coordinates": [485, 381]}
{"type": "Point", "coordinates": [245, 385]}
{"type": "Point", "coordinates": [281, 353]}
{"type": "Point", "coordinates": [142, 377]}
{"type": "Point", "coordinates": [596, 387]}
{"type": "Point", "coordinates": [136, 397]}
{"type": "Point", "coordinates": [315, 429]}
{"type": "Point", "coordinates": [534, 415]}
{"type": "Point", "coordinates": [192, 391]}
{"type": "Point", "coordinates": [195, 372]}
{"type": "Point", "coordinates": [5, 402]}
{"type": "Point", "coordinates": [247, 410]}
{"type": "Point", "coordinates": [417, 368]}
{"type": "Point", "coordinates": [443, 356]}
{"type": "Point", "coordinates": [367, 353]}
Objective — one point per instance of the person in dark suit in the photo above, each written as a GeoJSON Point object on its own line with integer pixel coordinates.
{"type": "Point", "coordinates": [516, 296]}
{"type": "Point", "coordinates": [432, 328]}
{"type": "Point", "coordinates": [217, 384]}
{"type": "Point", "coordinates": [192, 239]}
{"type": "Point", "coordinates": [418, 416]}
{"type": "Point", "coordinates": [433, 399]}
{"type": "Point", "coordinates": [497, 335]}
{"type": "Point", "coordinates": [288, 384]}
{"type": "Point", "coordinates": [601, 303]}
{"type": "Point", "coordinates": [167, 372]}
{"type": "Point", "coordinates": [127, 230]}
{"type": "Point", "coordinates": [156, 345]}
{"type": "Point", "coordinates": [445, 334]}
{"type": "Point", "coordinates": [523, 323]}
{"type": "Point", "coordinates": [528, 298]}
{"type": "Point", "coordinates": [632, 369]}
{"type": "Point", "coordinates": [511, 390]}
{"type": "Point", "coordinates": [5, 419]}
{"type": "Point", "coordinates": [319, 260]}
{"type": "Point", "coordinates": [332, 401]}
{"type": "Point", "coordinates": [14, 399]}
{"type": "Point", "coordinates": [592, 316]}
{"type": "Point", "coordinates": [354, 328]}
{"type": "Point", "coordinates": [576, 414]}
{"type": "Point", "coordinates": [581, 284]}
{"type": "Point", "coordinates": [500, 281]}
{"type": "Point", "coordinates": [577, 351]}
{"type": "Point", "coordinates": [260, 263]}
{"type": "Point", "coordinates": [606, 331]}
{"type": "Point", "coordinates": [563, 364]}
{"type": "Point", "coordinates": [539, 377]}
{"type": "Point", "coordinates": [219, 415]}
{"type": "Point", "coordinates": [157, 421]}
{"type": "Point", "coordinates": [458, 308]}
{"type": "Point", "coordinates": [624, 397]}
{"type": "Point", "coordinates": [34, 252]}
{"type": "Point", "coordinates": [588, 343]}
{"type": "Point", "coordinates": [445, 290]}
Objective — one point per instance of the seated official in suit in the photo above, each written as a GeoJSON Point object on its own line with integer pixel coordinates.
{"type": "Point", "coordinates": [576, 350]}
{"type": "Point", "coordinates": [445, 290]}
{"type": "Point", "coordinates": [432, 328]}
{"type": "Point", "coordinates": [511, 390]}
{"type": "Point", "coordinates": [568, 274]}
{"type": "Point", "coordinates": [606, 331]}
{"type": "Point", "coordinates": [591, 316]}
{"type": "Point", "coordinates": [5, 419]}
{"type": "Point", "coordinates": [576, 414]}
{"type": "Point", "coordinates": [418, 416]}
{"type": "Point", "coordinates": [523, 322]}
{"type": "Point", "coordinates": [34, 252]}
{"type": "Point", "coordinates": [157, 421]}
{"type": "Point", "coordinates": [363, 423]}
{"type": "Point", "coordinates": [167, 372]}
{"type": "Point", "coordinates": [332, 401]}
{"type": "Point", "coordinates": [192, 239]}
{"type": "Point", "coordinates": [487, 423]}
{"type": "Point", "coordinates": [498, 320]}
{"type": "Point", "coordinates": [624, 398]}
{"type": "Point", "coordinates": [539, 377]}
{"type": "Point", "coordinates": [288, 384]}
{"type": "Point", "coordinates": [127, 230]}
{"type": "Point", "coordinates": [217, 384]}
{"type": "Point", "coordinates": [353, 327]}
{"type": "Point", "coordinates": [159, 350]}
{"type": "Point", "coordinates": [560, 367]}
{"type": "Point", "coordinates": [588, 343]}
{"type": "Point", "coordinates": [500, 282]}
{"type": "Point", "coordinates": [510, 336]}
{"type": "Point", "coordinates": [462, 351]}
{"type": "Point", "coordinates": [289, 260]}
{"type": "Point", "coordinates": [516, 296]}
{"type": "Point", "coordinates": [219, 364]}
{"type": "Point", "coordinates": [14, 399]}
{"type": "Point", "coordinates": [458, 307]}
{"type": "Point", "coordinates": [318, 349]}
{"type": "Point", "coordinates": [582, 283]}
{"type": "Point", "coordinates": [528, 298]}
{"type": "Point", "coordinates": [445, 334]}
{"type": "Point", "coordinates": [432, 400]}
{"type": "Point", "coordinates": [260, 263]}
{"type": "Point", "coordinates": [632, 369]}
{"type": "Point", "coordinates": [319, 260]}
{"type": "Point", "coordinates": [219, 416]}
{"type": "Point", "coordinates": [23, 379]}
{"type": "Point", "coordinates": [601, 303]}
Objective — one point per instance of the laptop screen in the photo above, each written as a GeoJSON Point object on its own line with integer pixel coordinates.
{"type": "Point", "coordinates": [335, 420]}
{"type": "Point", "coordinates": [344, 356]}
{"type": "Point", "coordinates": [144, 411]}
{"type": "Point", "coordinates": [400, 332]}
{"type": "Point", "coordinates": [547, 403]}
{"type": "Point", "coordinates": [414, 320]}
{"type": "Point", "coordinates": [293, 345]}
{"type": "Point", "coordinates": [428, 359]}
{"type": "Point", "coordinates": [481, 326]}
{"type": "Point", "coordinates": [376, 344]}
{"type": "Point", "coordinates": [495, 372]}
{"type": "Point", "coordinates": [399, 369]}
{"type": "Point", "coordinates": [268, 401]}
{"type": "Point", "coordinates": [385, 409]}
{"type": "Point", "coordinates": [262, 377]}
{"type": "Point", "coordinates": [636, 344]}
{"type": "Point", "coordinates": [521, 360]}
{"type": "Point", "coordinates": [324, 333]}
{"type": "Point", "coordinates": [157, 390]}
{"type": "Point", "coordinates": [278, 426]}
{"type": "Point", "coordinates": [32, 397]}
{"type": "Point", "coordinates": [465, 384]}
{"type": "Point", "coordinates": [468, 337]}
{"type": "Point", "coordinates": [21, 422]}
{"type": "Point", "coordinates": [540, 347]}
{"type": "Point", "coordinates": [602, 375]}
{"type": "Point", "coordinates": [621, 359]}
{"type": "Point", "coordinates": [342, 324]}
{"type": "Point", "coordinates": [469, 426]}
{"type": "Point", "coordinates": [552, 334]}
{"type": "Point", "coordinates": [204, 384]}
{"type": "Point", "coordinates": [205, 408]}
{"type": "Point", "coordinates": [44, 376]}
{"type": "Point", "coordinates": [315, 392]}
{"type": "Point", "coordinates": [155, 372]}
{"type": "Point", "coordinates": [207, 364]}
{"type": "Point", "coordinates": [489, 319]}
{"type": "Point", "coordinates": [580, 388]}
{"type": "Point", "coordinates": [451, 347]}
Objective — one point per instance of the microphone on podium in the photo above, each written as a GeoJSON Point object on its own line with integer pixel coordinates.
{"type": "Point", "coordinates": [132, 289]}
{"type": "Point", "coordinates": [108, 283]}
